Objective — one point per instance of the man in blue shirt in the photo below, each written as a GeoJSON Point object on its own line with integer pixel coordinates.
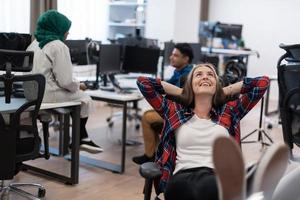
{"type": "Point", "coordinates": [180, 59]}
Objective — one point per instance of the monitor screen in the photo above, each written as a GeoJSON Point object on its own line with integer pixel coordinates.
{"type": "Point", "coordinates": [168, 49]}
{"type": "Point", "coordinates": [110, 58]}
{"type": "Point", "coordinates": [140, 60]}
{"type": "Point", "coordinates": [93, 52]}
{"type": "Point", "coordinates": [78, 51]}
{"type": "Point", "coordinates": [137, 41]}
{"type": "Point", "coordinates": [206, 29]}
{"type": "Point", "coordinates": [196, 52]}
{"type": "Point", "coordinates": [15, 41]}
{"type": "Point", "coordinates": [229, 31]}
{"type": "Point", "coordinates": [169, 46]}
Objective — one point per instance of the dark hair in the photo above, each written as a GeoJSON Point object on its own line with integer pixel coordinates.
{"type": "Point", "coordinates": [187, 96]}
{"type": "Point", "coordinates": [186, 50]}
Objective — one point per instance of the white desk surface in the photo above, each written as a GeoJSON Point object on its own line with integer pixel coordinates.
{"type": "Point", "coordinates": [114, 95]}
{"type": "Point", "coordinates": [229, 51]}
{"type": "Point", "coordinates": [17, 102]}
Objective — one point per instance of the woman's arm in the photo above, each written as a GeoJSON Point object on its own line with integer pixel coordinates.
{"type": "Point", "coordinates": [233, 89]}
{"type": "Point", "coordinates": [63, 69]}
{"type": "Point", "coordinates": [154, 93]}
{"type": "Point", "coordinates": [171, 89]}
{"type": "Point", "coordinates": [251, 92]}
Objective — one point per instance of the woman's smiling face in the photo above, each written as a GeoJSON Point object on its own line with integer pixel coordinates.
{"type": "Point", "coordinates": [204, 81]}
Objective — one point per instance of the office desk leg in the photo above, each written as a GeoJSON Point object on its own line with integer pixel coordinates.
{"type": "Point", "coordinates": [124, 129]}
{"type": "Point", "coordinates": [75, 143]}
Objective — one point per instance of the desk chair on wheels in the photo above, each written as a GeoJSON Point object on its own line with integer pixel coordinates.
{"type": "Point", "coordinates": [19, 138]}
{"type": "Point", "coordinates": [289, 94]}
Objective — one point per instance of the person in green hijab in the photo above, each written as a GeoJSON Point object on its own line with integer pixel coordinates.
{"type": "Point", "coordinates": [52, 59]}
{"type": "Point", "coordinates": [51, 25]}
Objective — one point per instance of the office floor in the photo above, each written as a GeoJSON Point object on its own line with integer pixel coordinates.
{"type": "Point", "coordinates": [96, 183]}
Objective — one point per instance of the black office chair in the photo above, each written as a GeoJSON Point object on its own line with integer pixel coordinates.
{"type": "Point", "coordinates": [19, 138]}
{"type": "Point", "coordinates": [288, 69]}
{"type": "Point", "coordinates": [235, 70]}
{"type": "Point", "coordinates": [151, 172]}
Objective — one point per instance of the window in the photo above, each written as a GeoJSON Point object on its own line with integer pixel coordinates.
{"type": "Point", "coordinates": [92, 20]}
{"type": "Point", "coordinates": [15, 16]}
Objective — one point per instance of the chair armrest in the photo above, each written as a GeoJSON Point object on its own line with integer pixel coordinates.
{"type": "Point", "coordinates": [150, 170]}
{"type": "Point", "coordinates": [45, 119]}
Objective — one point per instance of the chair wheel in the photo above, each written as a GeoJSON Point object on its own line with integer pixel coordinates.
{"type": "Point", "coordinates": [137, 127]}
{"type": "Point", "coordinates": [41, 193]}
{"type": "Point", "coordinates": [110, 124]}
{"type": "Point", "coordinates": [269, 126]}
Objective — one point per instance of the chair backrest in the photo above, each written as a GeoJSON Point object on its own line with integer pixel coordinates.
{"type": "Point", "coordinates": [19, 139]}
{"type": "Point", "coordinates": [288, 186]}
{"type": "Point", "coordinates": [289, 101]}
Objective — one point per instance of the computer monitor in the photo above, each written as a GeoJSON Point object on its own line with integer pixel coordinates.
{"type": "Point", "coordinates": [78, 51]}
{"type": "Point", "coordinates": [137, 41]}
{"type": "Point", "coordinates": [140, 60]}
{"type": "Point", "coordinates": [93, 52]}
{"type": "Point", "coordinates": [207, 28]}
{"type": "Point", "coordinates": [229, 31]}
{"type": "Point", "coordinates": [168, 49]}
{"type": "Point", "coordinates": [110, 58]}
{"type": "Point", "coordinates": [196, 52]}
{"type": "Point", "coordinates": [15, 41]}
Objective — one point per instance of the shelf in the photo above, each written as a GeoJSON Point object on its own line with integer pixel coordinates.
{"type": "Point", "coordinates": [123, 3]}
{"type": "Point", "coordinates": [126, 24]}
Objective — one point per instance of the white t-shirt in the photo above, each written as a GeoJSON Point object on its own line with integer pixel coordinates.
{"type": "Point", "coordinates": [194, 141]}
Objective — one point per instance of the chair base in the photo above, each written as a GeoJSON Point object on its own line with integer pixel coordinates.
{"type": "Point", "coordinates": [15, 188]}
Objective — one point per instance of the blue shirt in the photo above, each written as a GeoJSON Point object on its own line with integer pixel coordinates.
{"type": "Point", "coordinates": [175, 79]}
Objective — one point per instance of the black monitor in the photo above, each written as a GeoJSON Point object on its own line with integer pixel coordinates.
{"type": "Point", "coordinates": [207, 29]}
{"type": "Point", "coordinates": [140, 60]}
{"type": "Point", "coordinates": [110, 59]}
{"type": "Point", "coordinates": [229, 31]}
{"type": "Point", "coordinates": [78, 51]}
{"type": "Point", "coordinates": [168, 49]}
{"type": "Point", "coordinates": [14, 41]}
{"type": "Point", "coordinates": [137, 41]}
{"type": "Point", "coordinates": [196, 52]}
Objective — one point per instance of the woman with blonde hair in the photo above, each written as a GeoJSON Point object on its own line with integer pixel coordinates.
{"type": "Point", "coordinates": [203, 113]}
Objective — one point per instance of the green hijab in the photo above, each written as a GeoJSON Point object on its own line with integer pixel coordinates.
{"type": "Point", "coordinates": [51, 25]}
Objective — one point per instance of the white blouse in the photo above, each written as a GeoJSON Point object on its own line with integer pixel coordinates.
{"type": "Point", "coordinates": [194, 141]}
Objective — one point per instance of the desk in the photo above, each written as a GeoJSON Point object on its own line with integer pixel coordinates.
{"type": "Point", "coordinates": [229, 51]}
{"type": "Point", "coordinates": [122, 99]}
{"type": "Point", "coordinates": [75, 112]}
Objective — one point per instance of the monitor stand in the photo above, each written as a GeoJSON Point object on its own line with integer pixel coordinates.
{"type": "Point", "coordinates": [105, 86]}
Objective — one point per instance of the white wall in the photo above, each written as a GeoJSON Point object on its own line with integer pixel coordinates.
{"type": "Point", "coordinates": [15, 16]}
{"type": "Point", "coordinates": [160, 19]}
{"type": "Point", "coordinates": [267, 23]}
{"type": "Point", "coordinates": [88, 19]}
{"type": "Point", "coordinates": [175, 20]}
{"type": "Point", "coordinates": [187, 15]}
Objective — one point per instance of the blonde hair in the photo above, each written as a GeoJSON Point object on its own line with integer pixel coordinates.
{"type": "Point", "coordinates": [187, 97]}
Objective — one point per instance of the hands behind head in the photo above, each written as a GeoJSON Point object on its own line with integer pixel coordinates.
{"type": "Point", "coordinates": [82, 86]}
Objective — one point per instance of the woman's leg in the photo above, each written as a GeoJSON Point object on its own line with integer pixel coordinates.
{"type": "Point", "coordinates": [150, 137]}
